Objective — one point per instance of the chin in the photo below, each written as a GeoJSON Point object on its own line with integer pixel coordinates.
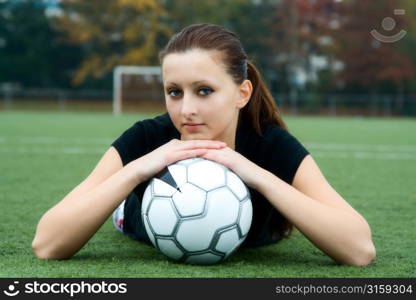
{"type": "Point", "coordinates": [194, 136]}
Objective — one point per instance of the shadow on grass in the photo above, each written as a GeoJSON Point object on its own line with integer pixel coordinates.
{"type": "Point", "coordinates": [123, 249]}
{"type": "Point", "coordinates": [260, 256]}
{"type": "Point", "coordinates": [273, 255]}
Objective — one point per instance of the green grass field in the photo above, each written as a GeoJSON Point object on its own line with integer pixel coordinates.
{"type": "Point", "coordinates": [370, 162]}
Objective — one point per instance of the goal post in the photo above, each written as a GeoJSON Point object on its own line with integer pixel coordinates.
{"type": "Point", "coordinates": [147, 74]}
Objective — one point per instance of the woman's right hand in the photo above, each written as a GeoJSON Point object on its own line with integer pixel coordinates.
{"type": "Point", "coordinates": [171, 152]}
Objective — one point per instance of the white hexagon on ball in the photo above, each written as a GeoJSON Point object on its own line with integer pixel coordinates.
{"type": "Point", "coordinates": [178, 173]}
{"type": "Point", "coordinates": [236, 185]}
{"type": "Point", "coordinates": [245, 217]}
{"type": "Point", "coordinates": [169, 248]}
{"type": "Point", "coordinates": [206, 174]}
{"type": "Point", "coordinates": [190, 200]}
{"type": "Point", "coordinates": [162, 189]}
{"type": "Point", "coordinates": [189, 161]}
{"type": "Point", "coordinates": [227, 241]}
{"type": "Point", "coordinates": [162, 216]}
{"type": "Point", "coordinates": [222, 210]}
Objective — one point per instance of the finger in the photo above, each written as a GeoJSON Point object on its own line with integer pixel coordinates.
{"type": "Point", "coordinates": [215, 156]}
{"type": "Point", "coordinates": [208, 144]}
{"type": "Point", "coordinates": [181, 155]}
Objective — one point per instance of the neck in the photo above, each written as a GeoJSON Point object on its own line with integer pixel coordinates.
{"type": "Point", "coordinates": [231, 143]}
{"type": "Point", "coordinates": [230, 136]}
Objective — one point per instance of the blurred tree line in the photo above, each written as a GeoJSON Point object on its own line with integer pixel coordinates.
{"type": "Point", "coordinates": [320, 46]}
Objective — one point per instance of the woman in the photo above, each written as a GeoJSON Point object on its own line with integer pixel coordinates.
{"type": "Point", "coordinates": [219, 109]}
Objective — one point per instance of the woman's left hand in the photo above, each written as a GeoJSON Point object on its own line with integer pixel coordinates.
{"type": "Point", "coordinates": [248, 171]}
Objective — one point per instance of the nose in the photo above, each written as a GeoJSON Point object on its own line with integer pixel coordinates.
{"type": "Point", "coordinates": [189, 106]}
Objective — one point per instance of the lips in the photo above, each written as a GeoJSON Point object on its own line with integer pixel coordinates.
{"type": "Point", "coordinates": [192, 126]}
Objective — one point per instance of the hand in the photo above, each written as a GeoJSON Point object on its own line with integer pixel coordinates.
{"type": "Point", "coordinates": [171, 152]}
{"type": "Point", "coordinates": [249, 172]}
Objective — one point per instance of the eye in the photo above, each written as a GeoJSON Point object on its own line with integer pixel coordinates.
{"type": "Point", "coordinates": [174, 93]}
{"type": "Point", "coordinates": [205, 91]}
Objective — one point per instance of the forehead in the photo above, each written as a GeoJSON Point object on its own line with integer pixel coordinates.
{"type": "Point", "coordinates": [193, 65]}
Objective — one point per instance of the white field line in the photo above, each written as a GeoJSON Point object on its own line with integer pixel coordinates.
{"type": "Point", "coordinates": [362, 147]}
{"type": "Point", "coordinates": [362, 151]}
{"type": "Point", "coordinates": [57, 145]}
{"type": "Point", "coordinates": [53, 140]}
{"type": "Point", "coordinates": [364, 155]}
{"type": "Point", "coordinates": [58, 150]}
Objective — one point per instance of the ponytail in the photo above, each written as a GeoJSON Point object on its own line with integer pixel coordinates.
{"type": "Point", "coordinates": [261, 109]}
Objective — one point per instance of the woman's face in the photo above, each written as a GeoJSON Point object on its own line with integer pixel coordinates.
{"type": "Point", "coordinates": [202, 99]}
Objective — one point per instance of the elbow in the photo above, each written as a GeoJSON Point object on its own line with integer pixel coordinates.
{"type": "Point", "coordinates": [40, 251]}
{"type": "Point", "coordinates": [368, 256]}
{"type": "Point", "coordinates": [44, 252]}
{"type": "Point", "coordinates": [363, 252]}
{"type": "Point", "coordinates": [364, 257]}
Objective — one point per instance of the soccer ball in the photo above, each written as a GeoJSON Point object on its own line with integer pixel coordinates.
{"type": "Point", "coordinates": [197, 211]}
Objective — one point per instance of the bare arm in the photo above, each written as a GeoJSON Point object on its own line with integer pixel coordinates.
{"type": "Point", "coordinates": [311, 204]}
{"type": "Point", "coordinates": [321, 214]}
{"type": "Point", "coordinates": [66, 228]}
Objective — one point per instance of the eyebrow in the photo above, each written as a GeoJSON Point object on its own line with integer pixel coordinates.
{"type": "Point", "coordinates": [193, 83]}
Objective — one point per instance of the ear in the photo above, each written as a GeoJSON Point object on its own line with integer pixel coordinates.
{"type": "Point", "coordinates": [245, 89]}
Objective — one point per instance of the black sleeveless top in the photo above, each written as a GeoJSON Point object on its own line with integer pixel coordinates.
{"type": "Point", "coordinates": [276, 151]}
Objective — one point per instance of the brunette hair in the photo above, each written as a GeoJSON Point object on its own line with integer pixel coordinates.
{"type": "Point", "coordinates": [261, 108]}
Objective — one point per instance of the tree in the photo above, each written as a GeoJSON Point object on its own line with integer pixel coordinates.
{"type": "Point", "coordinates": [409, 41]}
{"type": "Point", "coordinates": [30, 51]}
{"type": "Point", "coordinates": [368, 61]}
{"type": "Point", "coordinates": [133, 31]}
{"type": "Point", "coordinates": [112, 33]}
{"type": "Point", "coordinates": [300, 31]}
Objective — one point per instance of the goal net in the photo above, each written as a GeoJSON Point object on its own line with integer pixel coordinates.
{"type": "Point", "coordinates": [136, 85]}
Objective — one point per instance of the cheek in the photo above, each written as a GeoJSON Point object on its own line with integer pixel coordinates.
{"type": "Point", "coordinates": [174, 113]}
{"type": "Point", "coordinates": [220, 115]}
{"type": "Point", "coordinates": [227, 106]}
